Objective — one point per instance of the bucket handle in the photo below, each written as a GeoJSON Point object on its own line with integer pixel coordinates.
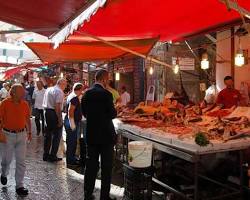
{"type": "Point", "coordinates": [134, 157]}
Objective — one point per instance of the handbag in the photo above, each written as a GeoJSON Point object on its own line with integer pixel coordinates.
{"type": "Point", "coordinates": [3, 138]}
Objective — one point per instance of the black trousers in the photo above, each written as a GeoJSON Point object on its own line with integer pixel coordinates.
{"type": "Point", "coordinates": [92, 167]}
{"type": "Point", "coordinates": [39, 116]}
{"type": "Point", "coordinates": [53, 134]}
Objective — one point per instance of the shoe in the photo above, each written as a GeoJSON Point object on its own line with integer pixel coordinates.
{"type": "Point", "coordinates": [92, 197]}
{"type": "Point", "coordinates": [4, 180]}
{"type": "Point", "coordinates": [22, 191]}
{"type": "Point", "coordinates": [73, 163]}
{"type": "Point", "coordinates": [45, 158]}
{"type": "Point", "coordinates": [111, 198]}
{"type": "Point", "coordinates": [54, 159]}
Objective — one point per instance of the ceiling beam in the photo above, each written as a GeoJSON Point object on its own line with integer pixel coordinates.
{"type": "Point", "coordinates": [37, 30]}
{"type": "Point", "coordinates": [210, 37]}
{"type": "Point", "coordinates": [234, 6]}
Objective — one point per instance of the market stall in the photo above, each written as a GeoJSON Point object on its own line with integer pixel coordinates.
{"type": "Point", "coordinates": [190, 137]}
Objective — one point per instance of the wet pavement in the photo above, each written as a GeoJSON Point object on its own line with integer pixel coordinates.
{"type": "Point", "coordinates": [49, 181]}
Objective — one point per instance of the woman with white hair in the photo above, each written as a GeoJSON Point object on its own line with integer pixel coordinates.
{"type": "Point", "coordinates": [72, 122]}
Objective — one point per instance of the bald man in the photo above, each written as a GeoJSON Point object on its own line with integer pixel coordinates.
{"type": "Point", "coordinates": [15, 124]}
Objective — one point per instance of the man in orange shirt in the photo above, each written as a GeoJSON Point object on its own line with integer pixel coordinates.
{"type": "Point", "coordinates": [15, 124]}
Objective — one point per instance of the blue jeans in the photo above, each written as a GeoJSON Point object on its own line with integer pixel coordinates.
{"type": "Point", "coordinates": [16, 144]}
{"type": "Point", "coordinates": [71, 140]}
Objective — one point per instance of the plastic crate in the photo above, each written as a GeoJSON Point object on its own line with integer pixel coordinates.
{"type": "Point", "coordinates": [137, 183]}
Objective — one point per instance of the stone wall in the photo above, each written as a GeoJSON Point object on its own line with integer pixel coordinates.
{"type": "Point", "coordinates": [131, 76]}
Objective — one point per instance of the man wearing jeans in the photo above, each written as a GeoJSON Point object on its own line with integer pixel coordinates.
{"type": "Point", "coordinates": [15, 122]}
{"type": "Point", "coordinates": [53, 104]}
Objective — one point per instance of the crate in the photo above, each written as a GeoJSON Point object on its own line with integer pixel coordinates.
{"type": "Point", "coordinates": [137, 183]}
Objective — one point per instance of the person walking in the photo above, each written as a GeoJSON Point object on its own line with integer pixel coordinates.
{"type": "Point", "coordinates": [15, 124]}
{"type": "Point", "coordinates": [98, 109]}
{"type": "Point", "coordinates": [72, 122]}
{"type": "Point", "coordinates": [53, 105]}
{"type": "Point", "coordinates": [38, 96]}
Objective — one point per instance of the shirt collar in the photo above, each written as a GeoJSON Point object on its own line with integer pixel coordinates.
{"type": "Point", "coordinates": [97, 83]}
{"type": "Point", "coordinates": [56, 86]}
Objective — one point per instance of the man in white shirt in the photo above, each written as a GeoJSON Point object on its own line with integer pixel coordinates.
{"type": "Point", "coordinates": [38, 96]}
{"type": "Point", "coordinates": [4, 92]}
{"type": "Point", "coordinates": [53, 104]}
{"type": "Point", "coordinates": [125, 97]}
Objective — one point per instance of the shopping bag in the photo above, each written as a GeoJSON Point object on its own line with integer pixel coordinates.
{"type": "Point", "coordinates": [2, 138]}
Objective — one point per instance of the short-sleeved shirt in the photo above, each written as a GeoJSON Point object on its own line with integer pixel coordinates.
{"type": "Point", "coordinates": [228, 98]}
{"type": "Point", "coordinates": [14, 115]}
{"type": "Point", "coordinates": [125, 98]}
{"type": "Point", "coordinates": [4, 93]}
{"type": "Point", "coordinates": [115, 94]}
{"type": "Point", "coordinates": [74, 100]}
{"type": "Point", "coordinates": [38, 96]}
{"type": "Point", "coordinates": [52, 96]}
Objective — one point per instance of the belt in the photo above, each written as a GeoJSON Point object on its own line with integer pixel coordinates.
{"type": "Point", "coordinates": [50, 109]}
{"type": "Point", "coordinates": [14, 131]}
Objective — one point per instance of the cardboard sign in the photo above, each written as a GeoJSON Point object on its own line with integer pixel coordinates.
{"type": "Point", "coordinates": [184, 63]}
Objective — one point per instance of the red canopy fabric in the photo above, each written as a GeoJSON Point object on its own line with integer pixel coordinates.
{"type": "Point", "coordinates": [18, 68]}
{"type": "Point", "coordinates": [10, 72]}
{"type": "Point", "coordinates": [36, 14]}
{"type": "Point", "coordinates": [88, 51]}
{"type": "Point", "coordinates": [169, 19]}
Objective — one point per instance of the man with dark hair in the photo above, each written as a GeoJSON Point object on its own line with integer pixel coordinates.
{"type": "Point", "coordinates": [38, 96]}
{"type": "Point", "coordinates": [98, 108]}
{"type": "Point", "coordinates": [229, 96]}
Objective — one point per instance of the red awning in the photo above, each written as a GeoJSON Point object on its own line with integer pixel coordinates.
{"type": "Point", "coordinates": [88, 51]}
{"type": "Point", "coordinates": [41, 14]}
{"type": "Point", "coordinates": [18, 68]}
{"type": "Point", "coordinates": [169, 19]}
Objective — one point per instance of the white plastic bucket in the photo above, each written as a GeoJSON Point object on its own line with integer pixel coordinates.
{"type": "Point", "coordinates": [140, 154]}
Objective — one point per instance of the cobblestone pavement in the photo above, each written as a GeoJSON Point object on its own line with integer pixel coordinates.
{"type": "Point", "coordinates": [49, 181]}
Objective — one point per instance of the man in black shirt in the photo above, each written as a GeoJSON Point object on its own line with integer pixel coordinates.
{"type": "Point", "coordinates": [72, 123]}
{"type": "Point", "coordinates": [98, 108]}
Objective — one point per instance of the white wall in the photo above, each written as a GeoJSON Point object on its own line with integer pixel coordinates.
{"type": "Point", "coordinates": [242, 73]}
{"type": "Point", "coordinates": [224, 50]}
